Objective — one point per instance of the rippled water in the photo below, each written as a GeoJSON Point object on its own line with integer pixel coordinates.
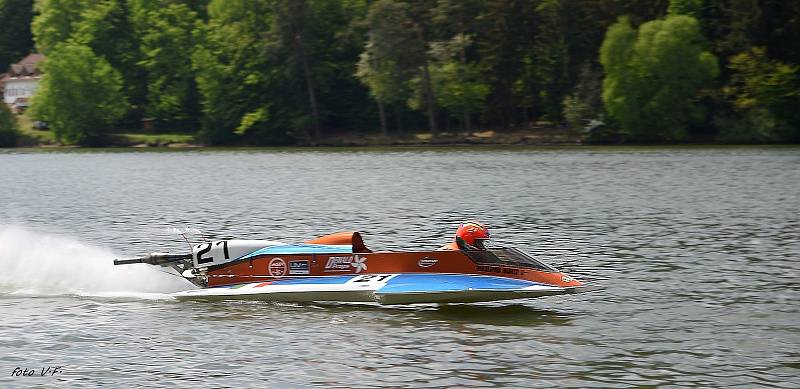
{"type": "Point", "coordinates": [696, 250]}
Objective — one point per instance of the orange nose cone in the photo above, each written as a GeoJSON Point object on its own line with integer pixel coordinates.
{"type": "Point", "coordinates": [567, 280]}
{"type": "Point", "coordinates": [556, 279]}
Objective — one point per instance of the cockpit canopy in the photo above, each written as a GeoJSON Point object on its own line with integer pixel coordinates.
{"type": "Point", "coordinates": [508, 257]}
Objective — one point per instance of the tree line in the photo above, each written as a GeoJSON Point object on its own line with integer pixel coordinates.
{"type": "Point", "coordinates": [297, 71]}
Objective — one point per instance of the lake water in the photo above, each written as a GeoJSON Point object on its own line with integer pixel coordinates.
{"type": "Point", "coordinates": [696, 250]}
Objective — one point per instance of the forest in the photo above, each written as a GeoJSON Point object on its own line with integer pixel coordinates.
{"type": "Point", "coordinates": [278, 72]}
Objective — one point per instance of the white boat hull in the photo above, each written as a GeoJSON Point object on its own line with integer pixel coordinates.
{"type": "Point", "coordinates": [406, 288]}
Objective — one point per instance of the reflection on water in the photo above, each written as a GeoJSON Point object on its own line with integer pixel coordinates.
{"type": "Point", "coordinates": [695, 250]}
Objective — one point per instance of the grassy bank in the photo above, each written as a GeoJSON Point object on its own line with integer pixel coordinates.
{"type": "Point", "coordinates": [542, 135]}
{"type": "Point", "coordinates": [46, 138]}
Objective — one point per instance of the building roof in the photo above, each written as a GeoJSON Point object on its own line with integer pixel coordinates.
{"type": "Point", "coordinates": [32, 58]}
{"type": "Point", "coordinates": [28, 66]}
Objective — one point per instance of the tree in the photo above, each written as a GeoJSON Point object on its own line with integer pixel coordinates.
{"type": "Point", "coordinates": [546, 77]}
{"type": "Point", "coordinates": [80, 95]}
{"type": "Point", "coordinates": [653, 76]}
{"type": "Point", "coordinates": [505, 35]}
{"type": "Point", "coordinates": [778, 29]}
{"type": "Point", "coordinates": [691, 8]}
{"type": "Point", "coordinates": [419, 17]}
{"type": "Point", "coordinates": [313, 45]}
{"type": "Point", "coordinates": [384, 66]}
{"type": "Point", "coordinates": [9, 130]}
{"type": "Point", "coordinates": [55, 21]}
{"type": "Point", "coordinates": [15, 32]}
{"type": "Point", "coordinates": [585, 103]}
{"type": "Point", "coordinates": [376, 75]}
{"type": "Point", "coordinates": [457, 83]}
{"type": "Point", "coordinates": [264, 85]}
{"type": "Point", "coordinates": [731, 25]}
{"type": "Point", "coordinates": [760, 84]}
{"type": "Point", "coordinates": [165, 33]}
{"type": "Point", "coordinates": [455, 72]}
{"type": "Point", "coordinates": [291, 32]}
{"type": "Point", "coordinates": [105, 27]}
{"type": "Point", "coordinates": [233, 78]}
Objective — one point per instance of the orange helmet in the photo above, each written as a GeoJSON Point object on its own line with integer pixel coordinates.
{"type": "Point", "coordinates": [473, 233]}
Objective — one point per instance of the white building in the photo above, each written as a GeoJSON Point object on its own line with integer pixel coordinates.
{"type": "Point", "coordinates": [21, 81]}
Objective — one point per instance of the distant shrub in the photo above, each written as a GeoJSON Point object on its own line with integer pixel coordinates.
{"type": "Point", "coordinates": [80, 95]}
{"type": "Point", "coordinates": [653, 76]}
{"type": "Point", "coordinates": [9, 130]}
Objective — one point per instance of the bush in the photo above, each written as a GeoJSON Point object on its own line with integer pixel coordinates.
{"type": "Point", "coordinates": [80, 95]}
{"type": "Point", "coordinates": [766, 93]}
{"type": "Point", "coordinates": [653, 76]}
{"type": "Point", "coordinates": [9, 130]}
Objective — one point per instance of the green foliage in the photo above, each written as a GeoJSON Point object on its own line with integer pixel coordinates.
{"type": "Point", "coordinates": [105, 27]}
{"type": "Point", "coordinates": [653, 76]}
{"type": "Point", "coordinates": [457, 85]}
{"type": "Point", "coordinates": [252, 119]}
{"type": "Point", "coordinates": [732, 25]}
{"type": "Point", "coordinates": [394, 63]}
{"type": "Point", "coordinates": [15, 31]}
{"type": "Point", "coordinates": [505, 32]}
{"type": "Point", "coordinates": [233, 79]}
{"type": "Point", "coordinates": [56, 20]}
{"type": "Point", "coordinates": [285, 73]}
{"type": "Point", "coordinates": [385, 66]}
{"type": "Point", "coordinates": [80, 95]}
{"type": "Point", "coordinates": [165, 32]}
{"type": "Point", "coordinates": [278, 71]}
{"type": "Point", "coordinates": [691, 8]}
{"type": "Point", "coordinates": [546, 73]}
{"type": "Point", "coordinates": [9, 129]}
{"type": "Point", "coordinates": [769, 91]}
{"type": "Point", "coordinates": [585, 102]}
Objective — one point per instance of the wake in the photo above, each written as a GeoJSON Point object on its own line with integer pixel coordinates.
{"type": "Point", "coordinates": [38, 264]}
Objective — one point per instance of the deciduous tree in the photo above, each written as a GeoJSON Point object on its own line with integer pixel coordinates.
{"type": "Point", "coordinates": [759, 83]}
{"type": "Point", "coordinates": [165, 33]}
{"type": "Point", "coordinates": [457, 83]}
{"type": "Point", "coordinates": [385, 66]}
{"type": "Point", "coordinates": [653, 76]}
{"type": "Point", "coordinates": [80, 95]}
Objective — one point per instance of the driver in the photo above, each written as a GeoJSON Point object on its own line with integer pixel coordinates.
{"type": "Point", "coordinates": [469, 236]}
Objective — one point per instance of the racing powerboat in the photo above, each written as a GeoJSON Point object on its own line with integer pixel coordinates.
{"type": "Point", "coordinates": [339, 267]}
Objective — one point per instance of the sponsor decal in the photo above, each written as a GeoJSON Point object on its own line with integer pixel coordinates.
{"type": "Point", "coordinates": [299, 267]}
{"type": "Point", "coordinates": [277, 267]}
{"type": "Point", "coordinates": [490, 269]}
{"type": "Point", "coordinates": [427, 262]}
{"type": "Point", "coordinates": [498, 269]}
{"type": "Point", "coordinates": [510, 270]}
{"type": "Point", "coordinates": [338, 263]}
{"type": "Point", "coordinates": [360, 263]}
{"type": "Point", "coordinates": [348, 263]}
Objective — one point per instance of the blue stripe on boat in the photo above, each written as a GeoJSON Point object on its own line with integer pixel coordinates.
{"type": "Point", "coordinates": [302, 249]}
{"type": "Point", "coordinates": [421, 283]}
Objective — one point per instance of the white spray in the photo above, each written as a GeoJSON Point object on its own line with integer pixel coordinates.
{"type": "Point", "coordinates": [43, 264]}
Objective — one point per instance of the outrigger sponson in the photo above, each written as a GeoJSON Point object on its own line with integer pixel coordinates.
{"type": "Point", "coordinates": [339, 267]}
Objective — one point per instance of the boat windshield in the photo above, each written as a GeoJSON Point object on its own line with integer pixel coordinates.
{"type": "Point", "coordinates": [508, 257]}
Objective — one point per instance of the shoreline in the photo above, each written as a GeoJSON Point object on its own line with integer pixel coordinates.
{"type": "Point", "coordinates": [544, 137]}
